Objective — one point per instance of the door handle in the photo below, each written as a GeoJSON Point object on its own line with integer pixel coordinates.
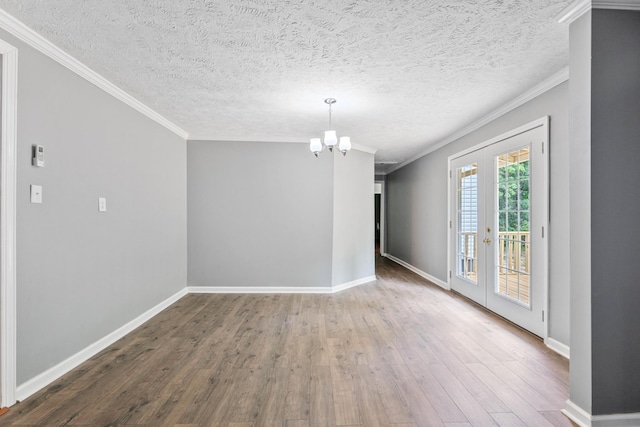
{"type": "Point", "coordinates": [487, 240]}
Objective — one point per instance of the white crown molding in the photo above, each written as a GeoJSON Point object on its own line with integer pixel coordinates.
{"type": "Point", "coordinates": [435, 280]}
{"type": "Point", "coordinates": [35, 40]}
{"type": "Point", "coordinates": [548, 84]}
{"type": "Point", "coordinates": [47, 377]}
{"type": "Point", "coordinates": [285, 140]}
{"type": "Point", "coordinates": [8, 170]}
{"type": "Point", "coordinates": [579, 7]}
{"type": "Point", "coordinates": [617, 5]}
{"type": "Point", "coordinates": [364, 148]}
{"type": "Point", "coordinates": [573, 11]}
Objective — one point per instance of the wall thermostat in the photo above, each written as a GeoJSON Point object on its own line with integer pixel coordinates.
{"type": "Point", "coordinates": [38, 156]}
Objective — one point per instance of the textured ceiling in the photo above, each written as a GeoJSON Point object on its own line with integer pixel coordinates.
{"type": "Point", "coordinates": [406, 73]}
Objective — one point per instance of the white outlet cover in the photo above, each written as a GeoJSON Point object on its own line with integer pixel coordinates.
{"type": "Point", "coordinates": [102, 204]}
{"type": "Point", "coordinates": [36, 193]}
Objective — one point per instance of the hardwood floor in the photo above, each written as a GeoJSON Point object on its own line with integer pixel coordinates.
{"type": "Point", "coordinates": [396, 352]}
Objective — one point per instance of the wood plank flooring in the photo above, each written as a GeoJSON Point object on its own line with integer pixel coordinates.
{"type": "Point", "coordinates": [396, 352]}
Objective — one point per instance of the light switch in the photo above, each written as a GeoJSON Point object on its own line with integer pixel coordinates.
{"type": "Point", "coordinates": [36, 193]}
{"type": "Point", "coordinates": [102, 204]}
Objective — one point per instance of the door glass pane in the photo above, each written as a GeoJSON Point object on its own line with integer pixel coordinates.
{"type": "Point", "coordinates": [467, 224]}
{"type": "Point", "coordinates": [514, 247]}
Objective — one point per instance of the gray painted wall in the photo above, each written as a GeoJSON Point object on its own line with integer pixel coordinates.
{"type": "Point", "coordinates": [615, 211]}
{"type": "Point", "coordinates": [353, 217]}
{"type": "Point", "coordinates": [83, 274]}
{"type": "Point", "coordinates": [580, 210]}
{"type": "Point", "coordinates": [417, 202]}
{"type": "Point", "coordinates": [259, 214]}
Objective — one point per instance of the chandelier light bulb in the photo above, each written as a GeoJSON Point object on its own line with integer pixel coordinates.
{"type": "Point", "coordinates": [316, 146]}
{"type": "Point", "coordinates": [345, 145]}
{"type": "Point", "coordinates": [330, 139]}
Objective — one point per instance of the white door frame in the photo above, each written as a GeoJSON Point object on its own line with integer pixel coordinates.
{"type": "Point", "coordinates": [8, 175]}
{"type": "Point", "coordinates": [544, 268]}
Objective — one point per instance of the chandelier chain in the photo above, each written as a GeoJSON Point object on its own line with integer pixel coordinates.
{"type": "Point", "coordinates": [330, 102]}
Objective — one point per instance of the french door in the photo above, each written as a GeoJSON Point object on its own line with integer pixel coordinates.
{"type": "Point", "coordinates": [499, 213]}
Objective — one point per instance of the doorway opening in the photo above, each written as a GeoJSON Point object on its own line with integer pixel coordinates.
{"type": "Point", "coordinates": [379, 218]}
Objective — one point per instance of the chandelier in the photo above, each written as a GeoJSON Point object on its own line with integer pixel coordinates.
{"type": "Point", "coordinates": [330, 139]}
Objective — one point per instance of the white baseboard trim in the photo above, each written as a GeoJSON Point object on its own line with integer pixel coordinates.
{"type": "Point", "coordinates": [577, 414]}
{"type": "Point", "coordinates": [616, 420]}
{"type": "Point", "coordinates": [562, 349]}
{"type": "Point", "coordinates": [354, 283]}
{"type": "Point", "coordinates": [435, 280]}
{"type": "Point", "coordinates": [278, 289]}
{"type": "Point", "coordinates": [259, 290]}
{"type": "Point", "coordinates": [47, 377]}
{"type": "Point", "coordinates": [584, 419]}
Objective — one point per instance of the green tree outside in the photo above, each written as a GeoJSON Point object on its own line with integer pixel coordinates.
{"type": "Point", "coordinates": [513, 197]}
